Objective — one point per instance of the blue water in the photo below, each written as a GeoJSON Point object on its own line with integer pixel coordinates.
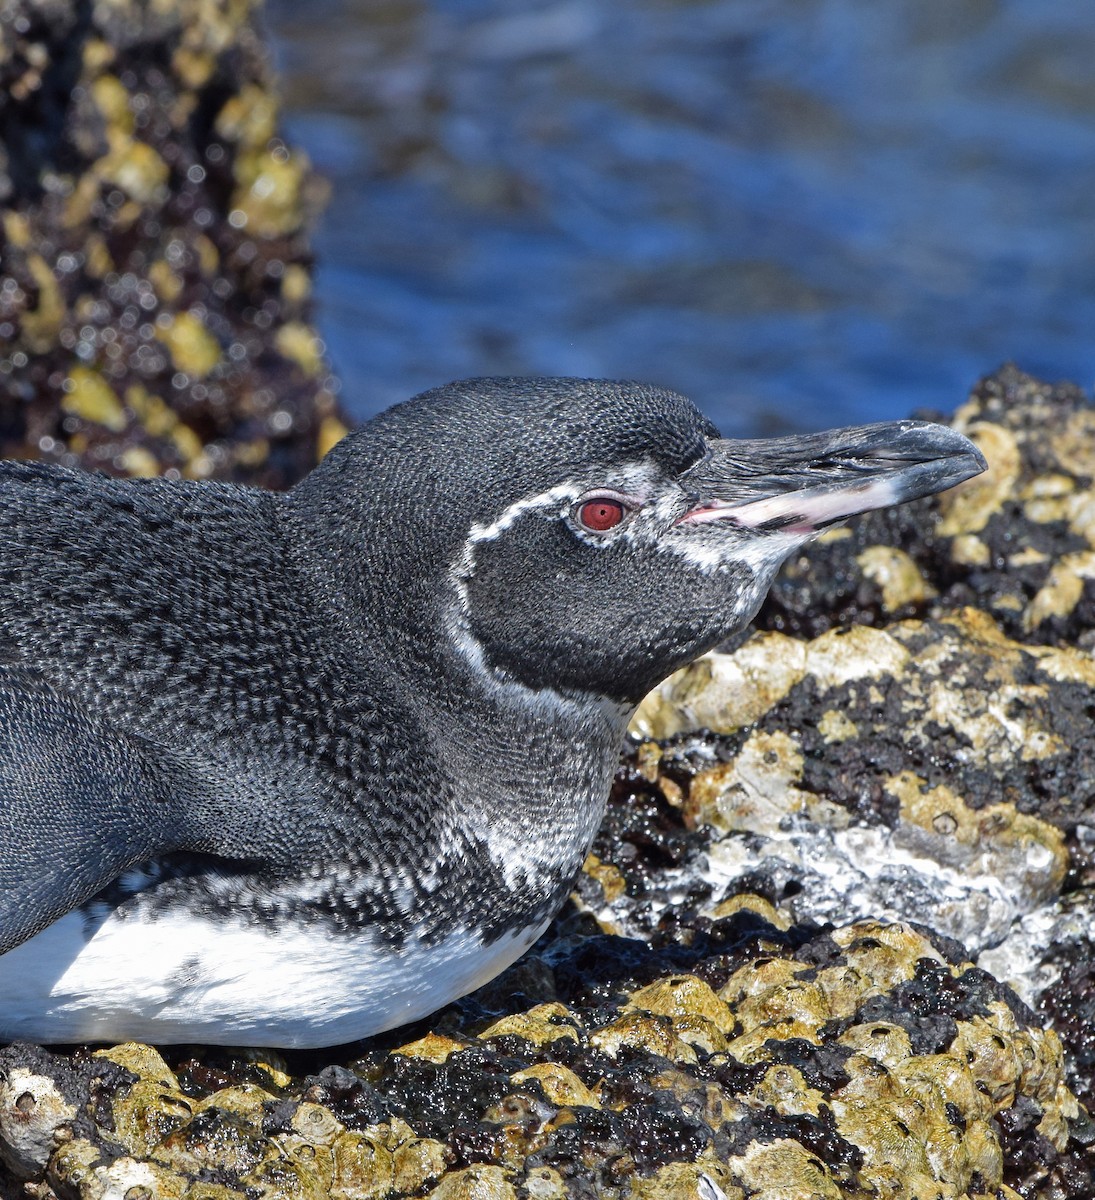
{"type": "Point", "coordinates": [801, 213]}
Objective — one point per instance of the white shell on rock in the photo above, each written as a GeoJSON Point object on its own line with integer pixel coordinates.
{"type": "Point", "coordinates": [32, 1112]}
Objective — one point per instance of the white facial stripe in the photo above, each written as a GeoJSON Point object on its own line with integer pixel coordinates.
{"type": "Point", "coordinates": [815, 508]}
{"type": "Point", "coordinates": [634, 480]}
{"type": "Point", "coordinates": [561, 497]}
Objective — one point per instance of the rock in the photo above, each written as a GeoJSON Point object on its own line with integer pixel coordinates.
{"type": "Point", "coordinates": [931, 771]}
{"type": "Point", "coordinates": [1049, 958]}
{"type": "Point", "coordinates": [154, 287]}
{"type": "Point", "coordinates": [34, 1119]}
{"type": "Point", "coordinates": [873, 1059]}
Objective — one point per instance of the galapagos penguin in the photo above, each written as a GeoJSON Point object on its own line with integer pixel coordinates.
{"type": "Point", "coordinates": [292, 769]}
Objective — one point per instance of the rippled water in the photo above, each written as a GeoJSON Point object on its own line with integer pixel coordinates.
{"type": "Point", "coordinates": [799, 212]}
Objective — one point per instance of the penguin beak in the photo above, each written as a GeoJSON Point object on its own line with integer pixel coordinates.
{"type": "Point", "coordinates": [800, 485]}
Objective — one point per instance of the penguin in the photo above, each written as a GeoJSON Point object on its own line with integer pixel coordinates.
{"type": "Point", "coordinates": [293, 769]}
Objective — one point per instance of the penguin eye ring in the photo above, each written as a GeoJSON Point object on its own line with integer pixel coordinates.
{"type": "Point", "coordinates": [602, 511]}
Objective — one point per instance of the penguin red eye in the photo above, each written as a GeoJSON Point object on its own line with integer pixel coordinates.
{"type": "Point", "coordinates": [601, 514]}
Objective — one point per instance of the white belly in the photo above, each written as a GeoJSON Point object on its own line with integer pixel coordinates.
{"type": "Point", "coordinates": [181, 978]}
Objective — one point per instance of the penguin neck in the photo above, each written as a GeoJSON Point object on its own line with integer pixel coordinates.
{"type": "Point", "coordinates": [528, 762]}
{"type": "Point", "coordinates": [533, 769]}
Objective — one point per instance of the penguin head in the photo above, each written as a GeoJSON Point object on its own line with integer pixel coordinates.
{"type": "Point", "coordinates": [590, 536]}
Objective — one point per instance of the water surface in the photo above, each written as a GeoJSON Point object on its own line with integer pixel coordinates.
{"type": "Point", "coordinates": [799, 212]}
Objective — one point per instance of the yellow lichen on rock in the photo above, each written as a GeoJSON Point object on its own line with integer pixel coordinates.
{"type": "Point", "coordinates": [969, 507]}
{"type": "Point", "coordinates": [90, 397]}
{"type": "Point", "coordinates": [753, 791]}
{"type": "Point", "coordinates": [785, 1090]}
{"type": "Point", "coordinates": [835, 726]}
{"type": "Point", "coordinates": [896, 573]}
{"type": "Point", "coordinates": [884, 952]}
{"type": "Point", "coordinates": [41, 324]}
{"type": "Point", "coordinates": [681, 1181]}
{"type": "Point", "coordinates": [560, 1084]}
{"type": "Point", "coordinates": [112, 100]}
{"type": "Point", "coordinates": [1080, 513]}
{"type": "Point", "coordinates": [299, 343]}
{"type": "Point", "coordinates": [296, 284]}
{"type": "Point", "coordinates": [899, 1108]}
{"type": "Point", "coordinates": [540, 1025]}
{"type": "Point", "coordinates": [840, 656]}
{"type": "Point", "coordinates": [884, 1042]}
{"type": "Point", "coordinates": [417, 1162]}
{"type": "Point", "coordinates": [724, 692]}
{"type": "Point", "coordinates": [154, 1107]}
{"type": "Point", "coordinates": [434, 1047]}
{"type": "Point", "coordinates": [1062, 590]}
{"type": "Point", "coordinates": [968, 550]}
{"type": "Point", "coordinates": [1002, 722]}
{"type": "Point", "coordinates": [545, 1183]}
{"type": "Point", "coordinates": [643, 1031]}
{"type": "Point", "coordinates": [475, 1183]}
{"type": "Point", "coordinates": [267, 201]}
{"type": "Point", "coordinates": [135, 168]}
{"type": "Point", "coordinates": [699, 1017]}
{"type": "Point", "coordinates": [1074, 443]}
{"type": "Point", "coordinates": [757, 979]}
{"type": "Point", "coordinates": [1065, 664]}
{"type": "Point", "coordinates": [336, 1162]}
{"type": "Point", "coordinates": [997, 839]}
{"type": "Point", "coordinates": [168, 285]}
{"type": "Point", "coordinates": [750, 902]}
{"type": "Point", "coordinates": [78, 1169]}
{"type": "Point", "coordinates": [683, 996]}
{"type": "Point", "coordinates": [608, 876]}
{"type": "Point", "coordinates": [193, 349]}
{"type": "Point", "coordinates": [249, 118]}
{"type": "Point", "coordinates": [331, 432]}
{"type": "Point", "coordinates": [897, 1134]}
{"type": "Point", "coordinates": [783, 1170]}
{"type": "Point", "coordinates": [138, 463]}
{"type": "Point", "coordinates": [160, 421]}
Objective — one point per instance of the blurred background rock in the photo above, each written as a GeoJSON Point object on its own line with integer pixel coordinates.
{"type": "Point", "coordinates": [154, 267]}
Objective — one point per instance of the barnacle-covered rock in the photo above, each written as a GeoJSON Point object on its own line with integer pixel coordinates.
{"type": "Point", "coordinates": [35, 1117]}
{"type": "Point", "coordinates": [933, 770]}
{"type": "Point", "coordinates": [154, 263]}
{"type": "Point", "coordinates": [873, 1060]}
{"type": "Point", "coordinates": [1049, 957]}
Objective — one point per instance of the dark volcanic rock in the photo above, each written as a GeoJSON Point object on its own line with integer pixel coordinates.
{"type": "Point", "coordinates": [866, 1061]}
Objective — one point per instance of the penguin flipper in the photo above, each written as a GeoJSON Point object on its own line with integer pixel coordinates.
{"type": "Point", "coordinates": [79, 803]}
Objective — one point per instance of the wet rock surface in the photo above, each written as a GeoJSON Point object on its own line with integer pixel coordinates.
{"type": "Point", "coordinates": [866, 1060]}
{"type": "Point", "coordinates": [154, 263]}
